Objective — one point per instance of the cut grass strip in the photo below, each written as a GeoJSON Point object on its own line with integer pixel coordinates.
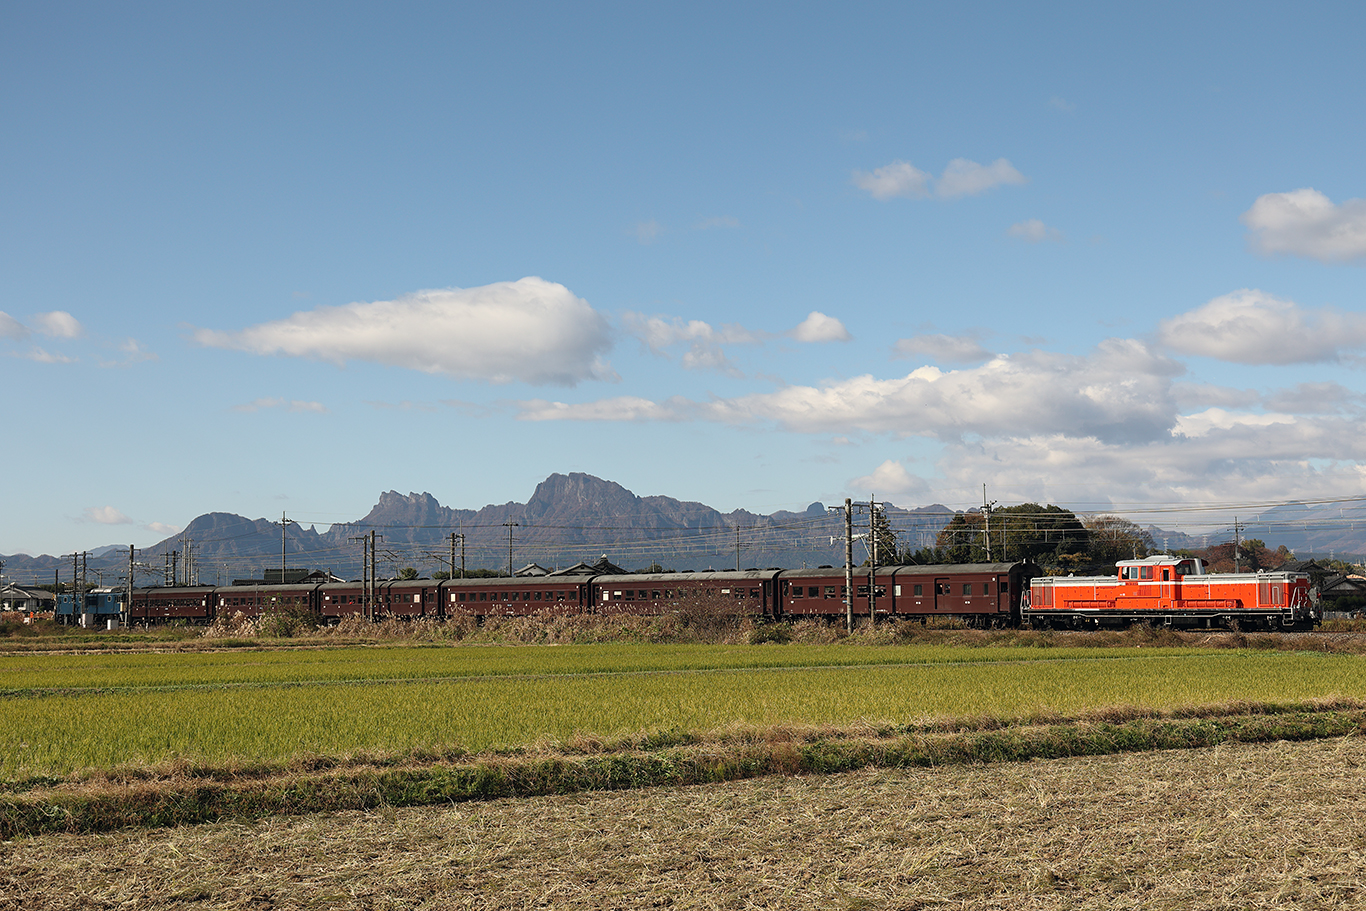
{"type": "Point", "coordinates": [178, 801]}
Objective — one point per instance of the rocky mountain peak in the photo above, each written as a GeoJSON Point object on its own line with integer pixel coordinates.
{"type": "Point", "coordinates": [579, 492]}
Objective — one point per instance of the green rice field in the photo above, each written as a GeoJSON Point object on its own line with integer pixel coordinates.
{"type": "Point", "coordinates": [68, 713]}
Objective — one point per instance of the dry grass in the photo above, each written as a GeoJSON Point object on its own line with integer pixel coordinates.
{"type": "Point", "coordinates": [1231, 827]}
{"type": "Point", "coordinates": [239, 632]}
{"type": "Point", "coordinates": [182, 793]}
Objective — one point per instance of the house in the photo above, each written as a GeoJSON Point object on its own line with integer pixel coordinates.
{"type": "Point", "coordinates": [27, 600]}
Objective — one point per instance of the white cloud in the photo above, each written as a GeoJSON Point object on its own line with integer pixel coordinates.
{"type": "Point", "coordinates": [900, 178]}
{"type": "Point", "coordinates": [720, 221]}
{"type": "Point", "coordinates": [404, 405]}
{"type": "Point", "coordinates": [1315, 398]}
{"type": "Point", "coordinates": [891, 479]}
{"type": "Point", "coordinates": [530, 331]}
{"type": "Point", "coordinates": [57, 324]}
{"type": "Point", "coordinates": [470, 409]}
{"type": "Point", "coordinates": [817, 327]}
{"type": "Point", "coordinates": [1225, 460]}
{"type": "Point", "coordinates": [1252, 327]}
{"type": "Point", "coordinates": [11, 327]}
{"type": "Point", "coordinates": [646, 232]}
{"type": "Point", "coordinates": [968, 178]}
{"type": "Point", "coordinates": [43, 356]}
{"type": "Point", "coordinates": [1034, 231]}
{"type": "Point", "coordinates": [1306, 223]}
{"type": "Point", "coordinates": [1061, 104]}
{"type": "Point", "coordinates": [1203, 423]}
{"type": "Point", "coordinates": [955, 349]}
{"type": "Point", "coordinates": [1122, 392]}
{"type": "Point", "coordinates": [1202, 395]}
{"type": "Point", "coordinates": [106, 515]}
{"type": "Point", "coordinates": [294, 406]}
{"type": "Point", "coordinates": [133, 353]}
{"type": "Point", "coordinates": [704, 341]}
{"type": "Point", "coordinates": [660, 332]}
{"type": "Point", "coordinates": [622, 408]}
{"type": "Point", "coordinates": [961, 177]}
{"type": "Point", "coordinates": [162, 528]}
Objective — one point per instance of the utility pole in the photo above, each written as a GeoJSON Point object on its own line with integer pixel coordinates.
{"type": "Point", "coordinates": [462, 554]}
{"type": "Point", "coordinates": [364, 569]}
{"type": "Point", "coordinates": [986, 513]}
{"type": "Point", "coordinates": [872, 562]}
{"type": "Point", "coordinates": [737, 548]}
{"type": "Point", "coordinates": [510, 527]}
{"type": "Point", "coordinates": [284, 524]}
{"type": "Point", "coordinates": [373, 577]}
{"type": "Point", "coordinates": [128, 599]}
{"type": "Point", "coordinates": [848, 563]}
{"type": "Point", "coordinates": [1237, 547]}
{"type": "Point", "coordinates": [78, 588]}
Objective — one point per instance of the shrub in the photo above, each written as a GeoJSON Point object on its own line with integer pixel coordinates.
{"type": "Point", "coordinates": [779, 633]}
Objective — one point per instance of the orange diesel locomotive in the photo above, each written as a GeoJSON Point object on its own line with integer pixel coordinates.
{"type": "Point", "coordinates": [1172, 591]}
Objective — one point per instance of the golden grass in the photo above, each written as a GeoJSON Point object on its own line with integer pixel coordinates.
{"type": "Point", "coordinates": [1231, 827]}
{"type": "Point", "coordinates": [693, 691]}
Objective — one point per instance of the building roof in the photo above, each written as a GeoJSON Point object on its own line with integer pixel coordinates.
{"type": "Point", "coordinates": [14, 592]}
{"type": "Point", "coordinates": [602, 567]}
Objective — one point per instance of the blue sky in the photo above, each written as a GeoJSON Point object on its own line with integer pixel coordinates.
{"type": "Point", "coordinates": [266, 258]}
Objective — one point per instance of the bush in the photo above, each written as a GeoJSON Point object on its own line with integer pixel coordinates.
{"type": "Point", "coordinates": [779, 633]}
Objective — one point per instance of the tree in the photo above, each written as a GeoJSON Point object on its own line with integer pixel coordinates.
{"type": "Point", "coordinates": [1025, 532]}
{"type": "Point", "coordinates": [1114, 539]}
{"type": "Point", "coordinates": [885, 535]}
{"type": "Point", "coordinates": [1252, 555]}
{"type": "Point", "coordinates": [407, 572]}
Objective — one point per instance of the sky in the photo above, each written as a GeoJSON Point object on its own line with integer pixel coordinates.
{"type": "Point", "coordinates": [278, 258]}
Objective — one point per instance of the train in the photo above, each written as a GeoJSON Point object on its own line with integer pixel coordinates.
{"type": "Point", "coordinates": [1176, 592]}
{"type": "Point", "coordinates": [1162, 590]}
{"type": "Point", "coordinates": [979, 595]}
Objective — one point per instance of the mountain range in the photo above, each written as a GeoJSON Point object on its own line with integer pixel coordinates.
{"type": "Point", "coordinates": [572, 518]}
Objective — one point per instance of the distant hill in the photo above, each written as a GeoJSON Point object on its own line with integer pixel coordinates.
{"type": "Point", "coordinates": [568, 519]}
{"type": "Point", "coordinates": [577, 517]}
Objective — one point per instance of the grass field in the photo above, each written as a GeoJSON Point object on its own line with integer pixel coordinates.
{"type": "Point", "coordinates": [75, 713]}
{"type": "Point", "coordinates": [1045, 772]}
